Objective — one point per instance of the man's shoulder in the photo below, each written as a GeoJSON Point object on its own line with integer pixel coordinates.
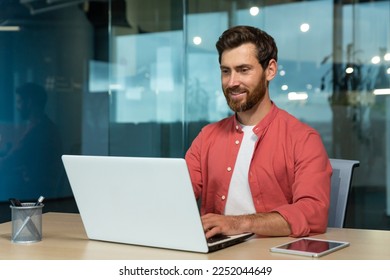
{"type": "Point", "coordinates": [292, 127]}
{"type": "Point", "coordinates": [291, 121]}
{"type": "Point", "coordinates": [219, 125]}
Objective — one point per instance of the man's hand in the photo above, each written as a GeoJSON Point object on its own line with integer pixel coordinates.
{"type": "Point", "coordinates": [219, 224]}
{"type": "Point", "coordinates": [268, 224]}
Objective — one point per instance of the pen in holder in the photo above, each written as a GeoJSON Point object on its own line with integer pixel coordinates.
{"type": "Point", "coordinates": [26, 222]}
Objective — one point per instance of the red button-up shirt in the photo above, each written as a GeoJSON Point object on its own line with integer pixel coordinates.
{"type": "Point", "coordinates": [289, 173]}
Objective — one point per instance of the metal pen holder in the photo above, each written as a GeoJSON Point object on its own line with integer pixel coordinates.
{"type": "Point", "coordinates": [26, 223]}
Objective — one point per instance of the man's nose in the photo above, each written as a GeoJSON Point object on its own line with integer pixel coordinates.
{"type": "Point", "coordinates": [233, 80]}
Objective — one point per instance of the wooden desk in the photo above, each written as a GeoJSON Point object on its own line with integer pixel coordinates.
{"type": "Point", "coordinates": [64, 238]}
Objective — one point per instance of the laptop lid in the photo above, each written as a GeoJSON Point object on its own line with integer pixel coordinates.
{"type": "Point", "coordinates": [139, 201]}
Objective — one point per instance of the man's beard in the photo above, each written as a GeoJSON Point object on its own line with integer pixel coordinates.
{"type": "Point", "coordinates": [252, 98]}
{"type": "Point", "coordinates": [24, 114]}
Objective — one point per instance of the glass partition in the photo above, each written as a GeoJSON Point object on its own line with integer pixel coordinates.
{"type": "Point", "coordinates": [141, 78]}
{"type": "Point", "coordinates": [147, 94]}
{"type": "Point", "coordinates": [333, 58]}
{"type": "Point", "coordinates": [330, 56]}
{"type": "Point", "coordinates": [333, 74]}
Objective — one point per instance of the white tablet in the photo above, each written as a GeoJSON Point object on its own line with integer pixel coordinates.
{"type": "Point", "coordinates": [310, 247]}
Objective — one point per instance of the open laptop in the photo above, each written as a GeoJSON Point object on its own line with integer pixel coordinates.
{"type": "Point", "coordinates": [139, 201]}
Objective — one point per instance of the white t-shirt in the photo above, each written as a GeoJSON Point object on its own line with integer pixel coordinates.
{"type": "Point", "coordinates": [239, 199]}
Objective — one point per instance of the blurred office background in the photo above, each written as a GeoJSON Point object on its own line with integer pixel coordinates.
{"type": "Point", "coordinates": [141, 77]}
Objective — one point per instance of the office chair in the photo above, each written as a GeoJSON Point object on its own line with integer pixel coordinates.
{"type": "Point", "coordinates": [340, 185]}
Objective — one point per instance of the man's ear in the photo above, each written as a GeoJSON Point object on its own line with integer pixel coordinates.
{"type": "Point", "coordinates": [272, 70]}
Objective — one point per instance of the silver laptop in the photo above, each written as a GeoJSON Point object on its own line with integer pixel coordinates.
{"type": "Point", "coordinates": [139, 201]}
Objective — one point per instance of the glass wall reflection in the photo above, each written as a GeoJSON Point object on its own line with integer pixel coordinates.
{"type": "Point", "coordinates": [47, 49]}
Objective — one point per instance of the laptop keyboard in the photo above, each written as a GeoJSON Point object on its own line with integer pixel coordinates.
{"type": "Point", "coordinates": [216, 238]}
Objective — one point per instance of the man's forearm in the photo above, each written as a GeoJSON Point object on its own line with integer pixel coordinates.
{"type": "Point", "coordinates": [269, 224]}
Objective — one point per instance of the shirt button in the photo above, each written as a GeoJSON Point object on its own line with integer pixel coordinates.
{"type": "Point", "coordinates": [223, 197]}
{"type": "Point", "coordinates": [237, 142]}
{"type": "Point", "coordinates": [229, 169]}
{"type": "Point", "coordinates": [237, 127]}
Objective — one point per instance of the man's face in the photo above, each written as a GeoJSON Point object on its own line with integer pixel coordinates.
{"type": "Point", "coordinates": [23, 107]}
{"type": "Point", "coordinates": [243, 79]}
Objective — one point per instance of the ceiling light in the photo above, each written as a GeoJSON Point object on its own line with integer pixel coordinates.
{"type": "Point", "coordinates": [9, 28]}
{"type": "Point", "coordinates": [297, 95]}
{"type": "Point", "coordinates": [305, 27]}
{"type": "Point", "coordinates": [375, 60]}
{"type": "Point", "coordinates": [382, 91]}
{"type": "Point", "coordinates": [197, 40]}
{"type": "Point", "coordinates": [254, 11]}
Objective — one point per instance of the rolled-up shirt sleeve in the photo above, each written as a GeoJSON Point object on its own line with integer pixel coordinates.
{"type": "Point", "coordinates": [308, 212]}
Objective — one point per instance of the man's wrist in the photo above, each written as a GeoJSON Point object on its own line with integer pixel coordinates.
{"type": "Point", "coordinates": [247, 222]}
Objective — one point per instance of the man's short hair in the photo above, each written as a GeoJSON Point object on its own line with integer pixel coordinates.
{"type": "Point", "coordinates": [238, 35]}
